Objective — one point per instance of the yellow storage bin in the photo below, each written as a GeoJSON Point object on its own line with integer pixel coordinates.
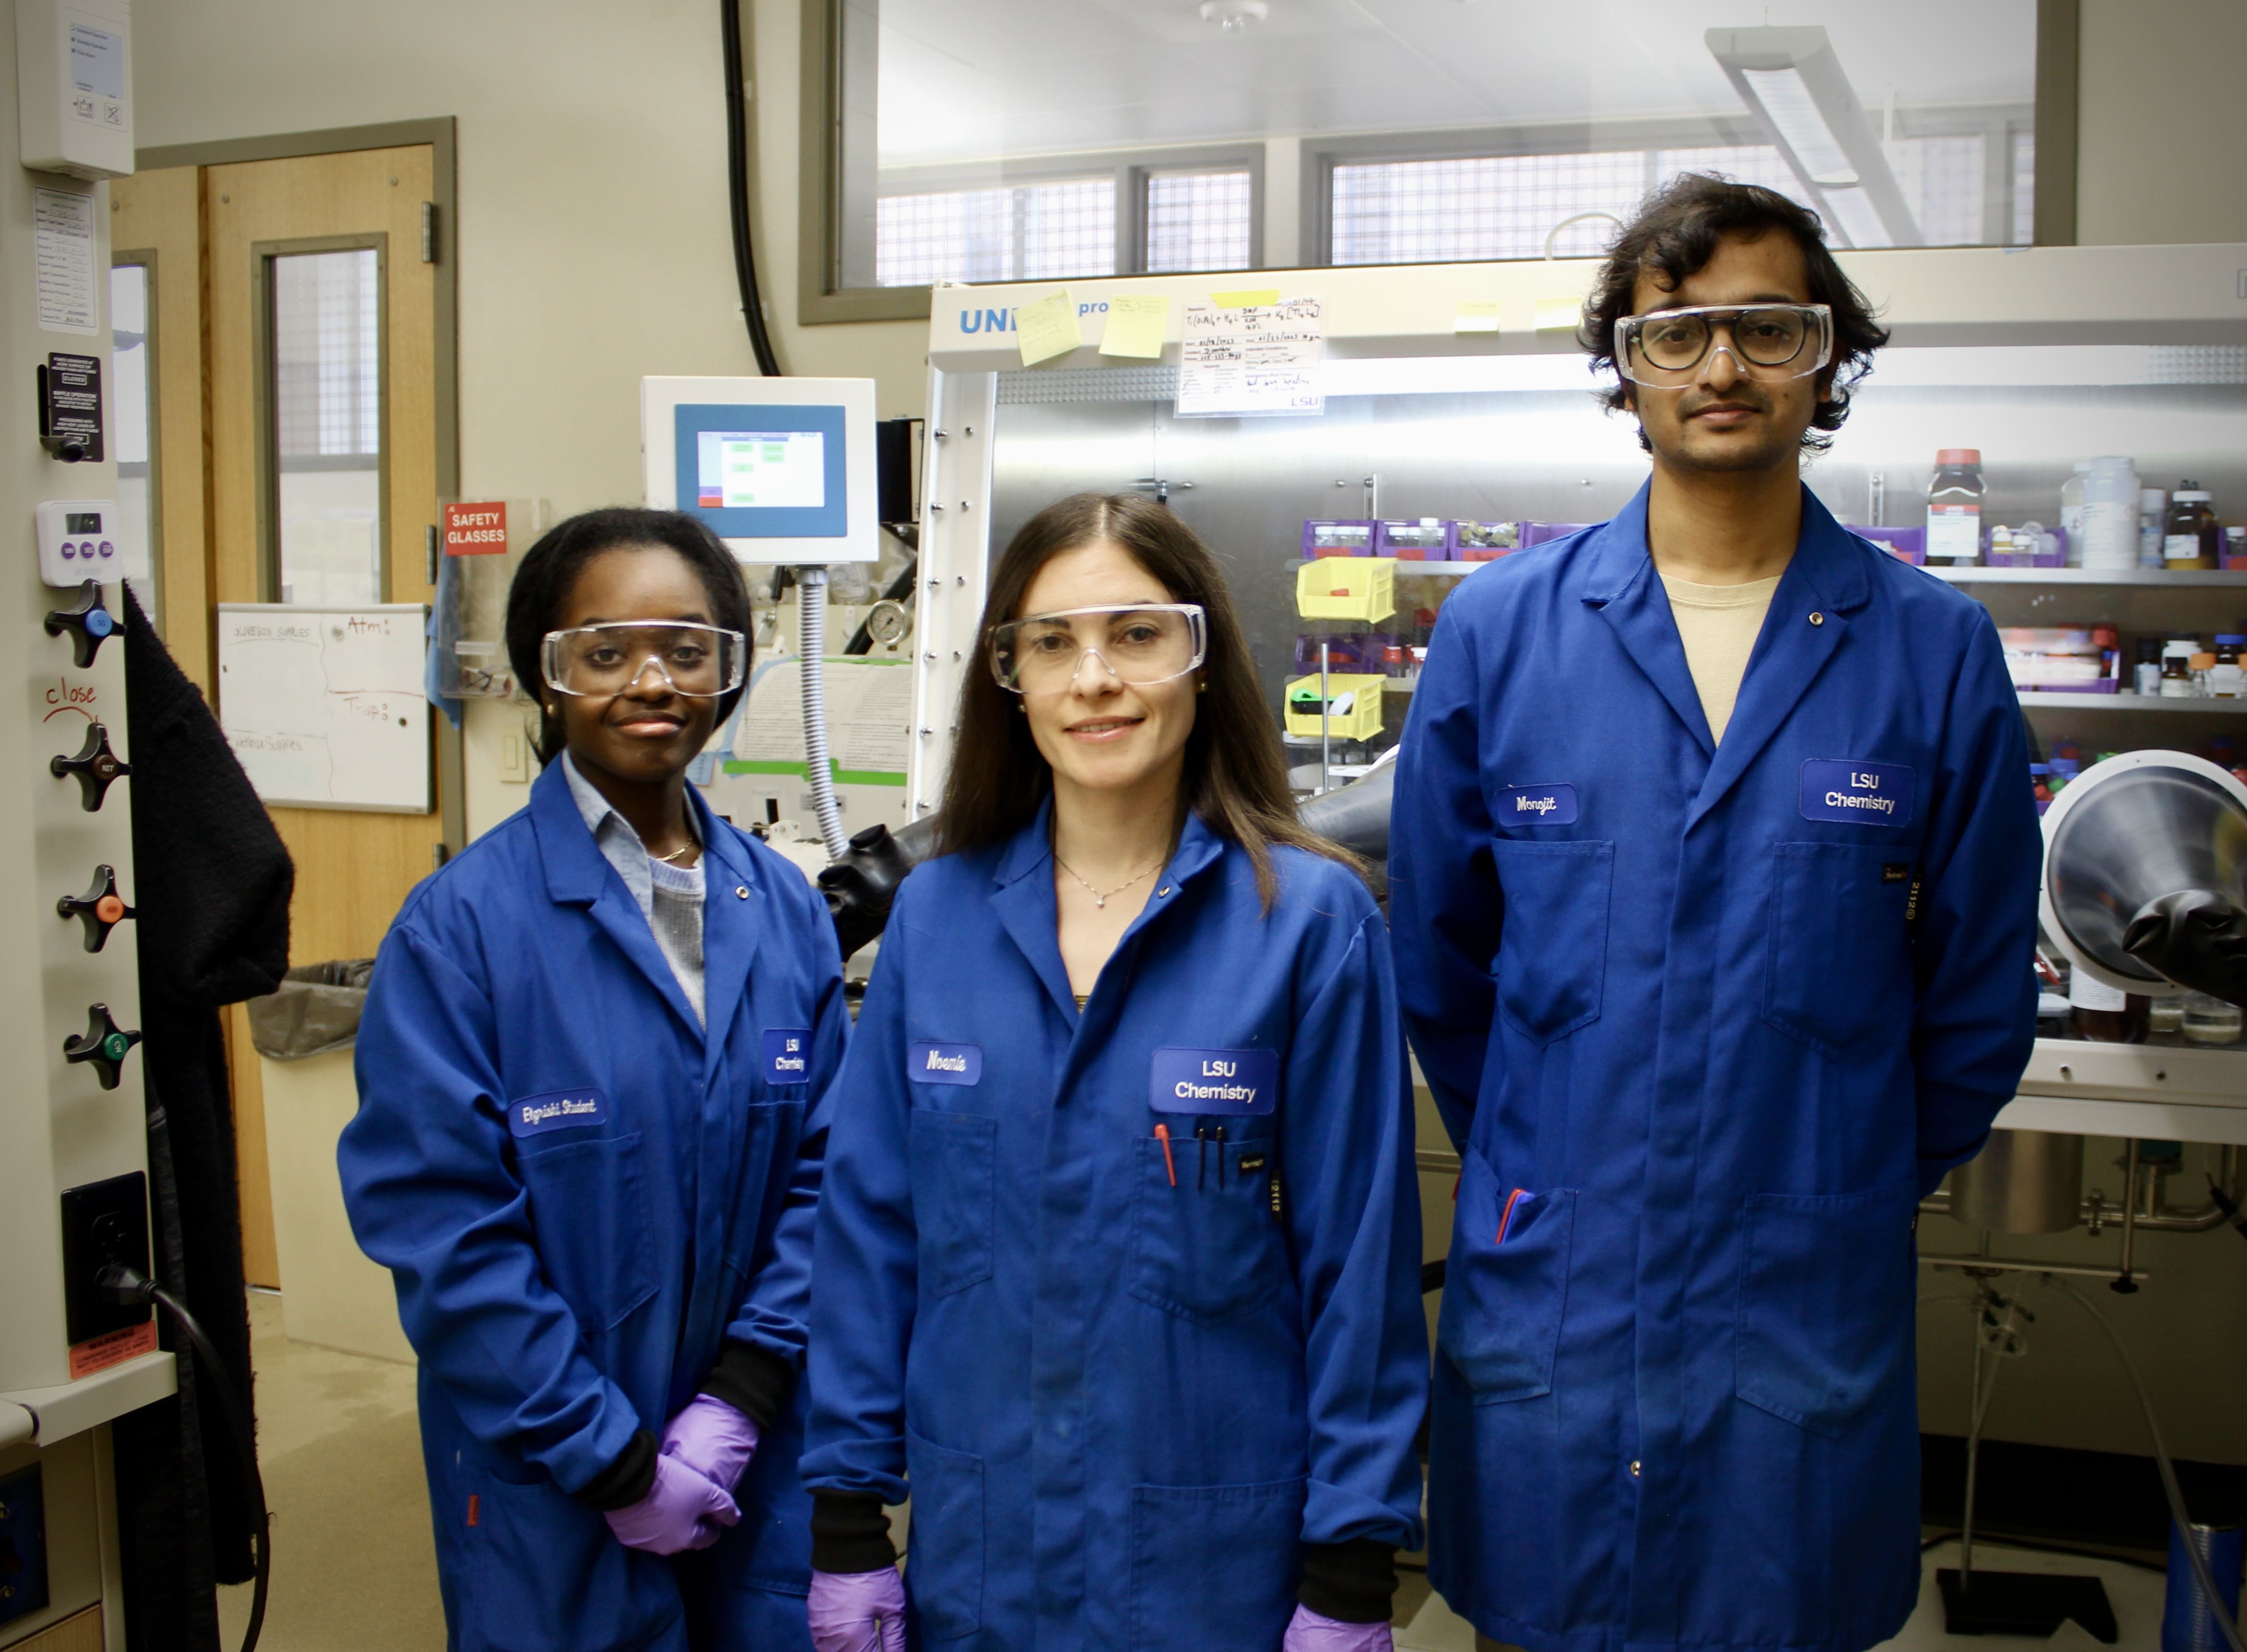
{"type": "Point", "coordinates": [1357, 697]}
{"type": "Point", "coordinates": [1347, 587]}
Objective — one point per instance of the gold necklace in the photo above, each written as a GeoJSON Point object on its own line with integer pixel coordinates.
{"type": "Point", "coordinates": [676, 853]}
{"type": "Point", "coordinates": [1099, 899]}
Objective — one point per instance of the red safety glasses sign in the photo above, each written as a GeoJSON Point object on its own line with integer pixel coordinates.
{"type": "Point", "coordinates": [475, 529]}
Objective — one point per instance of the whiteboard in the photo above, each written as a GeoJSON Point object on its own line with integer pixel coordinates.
{"type": "Point", "coordinates": [324, 706]}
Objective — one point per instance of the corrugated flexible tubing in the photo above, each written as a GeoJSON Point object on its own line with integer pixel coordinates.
{"type": "Point", "coordinates": [811, 601]}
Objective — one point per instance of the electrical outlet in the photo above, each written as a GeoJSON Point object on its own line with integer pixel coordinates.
{"type": "Point", "coordinates": [103, 1222]}
{"type": "Point", "coordinates": [23, 1546]}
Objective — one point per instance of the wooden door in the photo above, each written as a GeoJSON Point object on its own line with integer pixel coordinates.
{"type": "Point", "coordinates": [299, 366]}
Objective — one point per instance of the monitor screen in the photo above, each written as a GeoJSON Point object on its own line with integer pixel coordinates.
{"type": "Point", "coordinates": [761, 469]}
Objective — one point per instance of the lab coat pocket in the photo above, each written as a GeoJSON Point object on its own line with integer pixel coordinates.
{"type": "Point", "coordinates": [1838, 972]}
{"type": "Point", "coordinates": [944, 1563]}
{"type": "Point", "coordinates": [1214, 1566]}
{"type": "Point", "coordinates": [589, 1219]}
{"type": "Point", "coordinates": [1552, 951]}
{"type": "Point", "coordinates": [543, 1574]}
{"type": "Point", "coordinates": [1505, 1285]}
{"type": "Point", "coordinates": [1824, 1323]}
{"type": "Point", "coordinates": [1206, 1250]}
{"type": "Point", "coordinates": [954, 1197]}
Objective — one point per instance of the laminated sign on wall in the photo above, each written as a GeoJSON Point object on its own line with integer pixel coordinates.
{"type": "Point", "coordinates": [1249, 359]}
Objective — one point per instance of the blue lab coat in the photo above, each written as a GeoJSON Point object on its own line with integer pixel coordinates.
{"type": "Point", "coordinates": [1122, 1405]}
{"type": "Point", "coordinates": [582, 1197]}
{"type": "Point", "coordinates": [1679, 1015]}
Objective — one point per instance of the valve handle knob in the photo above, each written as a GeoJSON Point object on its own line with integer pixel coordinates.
{"type": "Point", "coordinates": [101, 907]}
{"type": "Point", "coordinates": [89, 623]}
{"type": "Point", "coordinates": [96, 766]}
{"type": "Point", "coordinates": [104, 1045]}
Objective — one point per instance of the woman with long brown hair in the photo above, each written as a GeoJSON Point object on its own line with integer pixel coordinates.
{"type": "Point", "coordinates": [1116, 1265]}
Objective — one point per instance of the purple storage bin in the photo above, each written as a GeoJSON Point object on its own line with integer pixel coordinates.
{"type": "Point", "coordinates": [1537, 533]}
{"type": "Point", "coordinates": [1337, 536]}
{"type": "Point", "coordinates": [1906, 544]}
{"type": "Point", "coordinates": [1413, 540]}
{"type": "Point", "coordinates": [1473, 540]}
{"type": "Point", "coordinates": [1343, 653]}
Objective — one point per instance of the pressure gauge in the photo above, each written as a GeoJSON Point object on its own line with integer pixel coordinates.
{"type": "Point", "coordinates": [889, 623]}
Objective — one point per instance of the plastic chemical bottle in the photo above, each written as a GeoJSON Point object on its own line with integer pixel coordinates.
{"type": "Point", "coordinates": [2225, 678]}
{"type": "Point", "coordinates": [2110, 513]}
{"type": "Point", "coordinates": [2153, 514]}
{"type": "Point", "coordinates": [2191, 537]}
{"type": "Point", "coordinates": [2071, 512]}
{"type": "Point", "coordinates": [2148, 673]}
{"type": "Point", "coordinates": [2176, 668]}
{"type": "Point", "coordinates": [1954, 509]}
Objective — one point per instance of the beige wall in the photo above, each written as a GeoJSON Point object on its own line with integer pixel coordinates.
{"type": "Point", "coordinates": [2162, 113]}
{"type": "Point", "coordinates": [593, 241]}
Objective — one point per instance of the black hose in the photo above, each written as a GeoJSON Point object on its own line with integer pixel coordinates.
{"type": "Point", "coordinates": [737, 183]}
{"type": "Point", "coordinates": [129, 1286]}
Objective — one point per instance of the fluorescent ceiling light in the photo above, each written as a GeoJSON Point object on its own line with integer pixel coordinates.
{"type": "Point", "coordinates": [1791, 109]}
{"type": "Point", "coordinates": [1860, 220]}
{"type": "Point", "coordinates": [1793, 85]}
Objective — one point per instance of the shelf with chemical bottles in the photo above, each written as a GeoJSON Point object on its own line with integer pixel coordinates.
{"type": "Point", "coordinates": [2046, 700]}
{"type": "Point", "coordinates": [2234, 577]}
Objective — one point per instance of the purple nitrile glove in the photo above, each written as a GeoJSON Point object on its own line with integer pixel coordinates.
{"type": "Point", "coordinates": [1310, 1631]}
{"type": "Point", "coordinates": [681, 1511]}
{"type": "Point", "coordinates": [857, 1611]}
{"type": "Point", "coordinates": [714, 1439]}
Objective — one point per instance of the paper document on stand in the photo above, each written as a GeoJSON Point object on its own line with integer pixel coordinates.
{"type": "Point", "coordinates": [1252, 359]}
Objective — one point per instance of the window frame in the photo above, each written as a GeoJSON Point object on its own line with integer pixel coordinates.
{"type": "Point", "coordinates": [1996, 123]}
{"type": "Point", "coordinates": [821, 296]}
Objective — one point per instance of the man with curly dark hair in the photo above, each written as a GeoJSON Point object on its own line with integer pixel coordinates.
{"type": "Point", "coordinates": [1713, 884]}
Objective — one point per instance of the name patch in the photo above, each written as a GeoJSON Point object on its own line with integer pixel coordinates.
{"type": "Point", "coordinates": [1860, 793]}
{"type": "Point", "coordinates": [788, 1056]}
{"type": "Point", "coordinates": [1537, 806]}
{"type": "Point", "coordinates": [1242, 1082]}
{"type": "Point", "coordinates": [561, 1110]}
{"type": "Point", "coordinates": [933, 1064]}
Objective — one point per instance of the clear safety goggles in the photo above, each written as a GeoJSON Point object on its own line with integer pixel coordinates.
{"type": "Point", "coordinates": [700, 662]}
{"type": "Point", "coordinates": [1139, 644]}
{"type": "Point", "coordinates": [1771, 342]}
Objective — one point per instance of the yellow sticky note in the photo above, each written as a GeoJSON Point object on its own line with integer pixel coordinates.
{"type": "Point", "coordinates": [1559, 312]}
{"type": "Point", "coordinates": [1241, 300]}
{"type": "Point", "coordinates": [1047, 328]}
{"type": "Point", "coordinates": [1136, 326]}
{"type": "Point", "coordinates": [1476, 315]}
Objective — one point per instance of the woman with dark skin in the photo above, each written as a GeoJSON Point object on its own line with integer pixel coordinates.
{"type": "Point", "coordinates": [589, 1142]}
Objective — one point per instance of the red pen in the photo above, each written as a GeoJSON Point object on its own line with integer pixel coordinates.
{"type": "Point", "coordinates": [1506, 1217]}
{"type": "Point", "coordinates": [1163, 1135]}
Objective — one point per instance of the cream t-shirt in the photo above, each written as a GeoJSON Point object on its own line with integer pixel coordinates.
{"type": "Point", "coordinates": [1718, 626]}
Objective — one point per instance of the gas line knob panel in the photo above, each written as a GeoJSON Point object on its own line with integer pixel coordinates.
{"type": "Point", "coordinates": [96, 766]}
{"type": "Point", "coordinates": [101, 907]}
{"type": "Point", "coordinates": [104, 1045]}
{"type": "Point", "coordinates": [88, 622]}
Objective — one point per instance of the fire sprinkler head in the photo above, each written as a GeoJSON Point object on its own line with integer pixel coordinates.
{"type": "Point", "coordinates": [1233, 16]}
